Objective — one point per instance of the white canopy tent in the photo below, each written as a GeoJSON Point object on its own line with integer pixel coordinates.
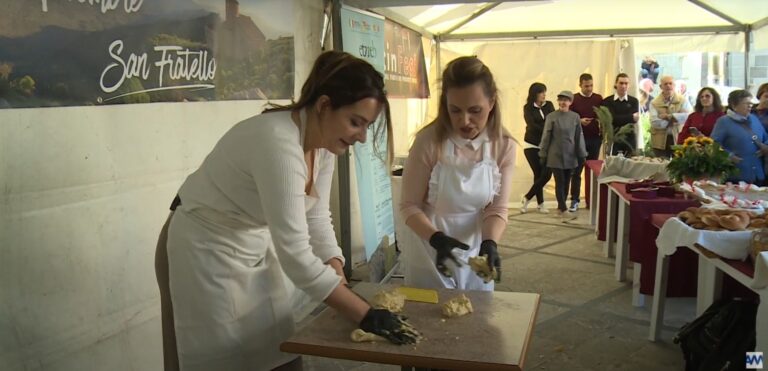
{"type": "Point", "coordinates": [553, 41]}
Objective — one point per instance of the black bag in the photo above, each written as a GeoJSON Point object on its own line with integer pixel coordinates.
{"type": "Point", "coordinates": [719, 339]}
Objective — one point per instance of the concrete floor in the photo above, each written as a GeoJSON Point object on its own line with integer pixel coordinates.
{"type": "Point", "coordinates": [586, 320]}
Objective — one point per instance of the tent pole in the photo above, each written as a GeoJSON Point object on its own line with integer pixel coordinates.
{"type": "Point", "coordinates": [471, 18]}
{"type": "Point", "coordinates": [438, 62]}
{"type": "Point", "coordinates": [345, 208]}
{"type": "Point", "coordinates": [747, 32]}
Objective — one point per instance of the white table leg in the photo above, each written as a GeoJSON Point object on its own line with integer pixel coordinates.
{"type": "Point", "coordinates": [709, 286]}
{"type": "Point", "coordinates": [638, 299]}
{"type": "Point", "coordinates": [622, 241]}
{"type": "Point", "coordinates": [610, 223]}
{"type": "Point", "coordinates": [659, 295]}
{"type": "Point", "coordinates": [594, 192]}
{"type": "Point", "coordinates": [762, 322]}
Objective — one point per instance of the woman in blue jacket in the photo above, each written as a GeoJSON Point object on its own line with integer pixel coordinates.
{"type": "Point", "coordinates": [741, 134]}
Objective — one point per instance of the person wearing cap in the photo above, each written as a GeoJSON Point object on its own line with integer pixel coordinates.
{"type": "Point", "coordinates": [563, 149]}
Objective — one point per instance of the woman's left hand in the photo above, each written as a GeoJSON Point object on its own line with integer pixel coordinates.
{"type": "Point", "coordinates": [490, 250]}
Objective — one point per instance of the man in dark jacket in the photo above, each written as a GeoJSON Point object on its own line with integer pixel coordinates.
{"type": "Point", "coordinates": [624, 109]}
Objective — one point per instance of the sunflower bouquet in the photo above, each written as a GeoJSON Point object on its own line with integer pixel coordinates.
{"type": "Point", "coordinates": [700, 158]}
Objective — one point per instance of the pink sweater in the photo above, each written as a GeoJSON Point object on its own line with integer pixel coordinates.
{"type": "Point", "coordinates": [423, 157]}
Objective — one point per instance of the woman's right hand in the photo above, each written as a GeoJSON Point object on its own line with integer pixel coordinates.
{"type": "Point", "coordinates": [735, 159]}
{"type": "Point", "coordinates": [391, 326]}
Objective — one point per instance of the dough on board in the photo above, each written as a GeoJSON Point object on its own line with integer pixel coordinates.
{"type": "Point", "coordinates": [391, 300]}
{"type": "Point", "coordinates": [457, 306]}
{"type": "Point", "coordinates": [360, 336]}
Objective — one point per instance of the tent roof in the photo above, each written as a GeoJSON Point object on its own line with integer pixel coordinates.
{"type": "Point", "coordinates": [471, 19]}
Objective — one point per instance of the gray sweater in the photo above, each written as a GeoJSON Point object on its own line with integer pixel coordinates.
{"type": "Point", "coordinates": [562, 142]}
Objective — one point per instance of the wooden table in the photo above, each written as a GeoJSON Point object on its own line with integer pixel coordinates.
{"type": "Point", "coordinates": [496, 336]}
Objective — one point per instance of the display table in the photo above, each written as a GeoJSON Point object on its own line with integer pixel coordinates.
{"type": "Point", "coordinates": [623, 210]}
{"type": "Point", "coordinates": [626, 170]}
{"type": "Point", "coordinates": [496, 336]}
{"type": "Point", "coordinates": [592, 170]}
{"type": "Point", "coordinates": [711, 267]}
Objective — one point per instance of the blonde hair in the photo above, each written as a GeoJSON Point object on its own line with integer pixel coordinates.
{"type": "Point", "coordinates": [459, 73]}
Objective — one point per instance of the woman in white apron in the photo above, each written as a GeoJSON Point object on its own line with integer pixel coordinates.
{"type": "Point", "coordinates": [457, 182]}
{"type": "Point", "coordinates": [257, 211]}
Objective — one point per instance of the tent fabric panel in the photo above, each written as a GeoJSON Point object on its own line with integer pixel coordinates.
{"type": "Point", "coordinates": [690, 43]}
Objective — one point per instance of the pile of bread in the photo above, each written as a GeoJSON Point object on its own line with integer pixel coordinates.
{"type": "Point", "coordinates": [722, 219]}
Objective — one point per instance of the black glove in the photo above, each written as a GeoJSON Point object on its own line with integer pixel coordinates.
{"type": "Point", "coordinates": [543, 161]}
{"type": "Point", "coordinates": [390, 326]}
{"type": "Point", "coordinates": [444, 244]}
{"type": "Point", "coordinates": [489, 249]}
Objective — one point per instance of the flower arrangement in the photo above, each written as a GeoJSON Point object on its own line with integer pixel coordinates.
{"type": "Point", "coordinates": [698, 158]}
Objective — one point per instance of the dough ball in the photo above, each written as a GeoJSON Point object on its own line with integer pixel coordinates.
{"type": "Point", "coordinates": [479, 265]}
{"type": "Point", "coordinates": [391, 300]}
{"type": "Point", "coordinates": [457, 306]}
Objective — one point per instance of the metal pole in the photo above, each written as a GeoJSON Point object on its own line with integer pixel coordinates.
{"type": "Point", "coordinates": [747, 32]}
{"type": "Point", "coordinates": [438, 63]}
{"type": "Point", "coordinates": [345, 209]}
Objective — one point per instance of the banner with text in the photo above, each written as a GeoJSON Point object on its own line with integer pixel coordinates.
{"type": "Point", "coordinates": [362, 35]}
{"type": "Point", "coordinates": [91, 52]}
{"type": "Point", "coordinates": [406, 69]}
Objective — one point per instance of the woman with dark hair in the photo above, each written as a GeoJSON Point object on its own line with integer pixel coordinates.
{"type": "Point", "coordinates": [456, 183]}
{"type": "Point", "coordinates": [257, 211]}
{"type": "Point", "coordinates": [761, 109]}
{"type": "Point", "coordinates": [706, 112]}
{"type": "Point", "coordinates": [535, 112]}
{"type": "Point", "coordinates": [741, 134]}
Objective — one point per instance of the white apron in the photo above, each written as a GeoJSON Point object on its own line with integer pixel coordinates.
{"type": "Point", "coordinates": [232, 302]}
{"type": "Point", "coordinates": [459, 191]}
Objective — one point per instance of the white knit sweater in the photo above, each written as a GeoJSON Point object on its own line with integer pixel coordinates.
{"type": "Point", "coordinates": [256, 174]}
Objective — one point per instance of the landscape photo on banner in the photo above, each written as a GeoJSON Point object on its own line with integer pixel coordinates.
{"type": "Point", "coordinates": [404, 64]}
{"type": "Point", "coordinates": [78, 53]}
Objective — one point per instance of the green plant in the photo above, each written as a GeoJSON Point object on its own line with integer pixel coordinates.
{"type": "Point", "coordinates": [700, 157]}
{"type": "Point", "coordinates": [610, 134]}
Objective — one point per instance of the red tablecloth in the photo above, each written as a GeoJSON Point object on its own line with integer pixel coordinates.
{"type": "Point", "coordinates": [591, 166]}
{"type": "Point", "coordinates": [642, 242]}
{"type": "Point", "coordinates": [683, 266]}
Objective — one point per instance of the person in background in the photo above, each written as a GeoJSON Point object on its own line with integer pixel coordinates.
{"type": "Point", "coordinates": [256, 211]}
{"type": "Point", "coordinates": [707, 110]}
{"type": "Point", "coordinates": [624, 109]}
{"type": "Point", "coordinates": [761, 109]}
{"type": "Point", "coordinates": [741, 134]}
{"type": "Point", "coordinates": [584, 103]}
{"type": "Point", "coordinates": [668, 113]}
{"type": "Point", "coordinates": [646, 88]}
{"type": "Point", "coordinates": [649, 68]}
{"type": "Point", "coordinates": [535, 111]}
{"type": "Point", "coordinates": [562, 149]}
{"type": "Point", "coordinates": [456, 183]}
